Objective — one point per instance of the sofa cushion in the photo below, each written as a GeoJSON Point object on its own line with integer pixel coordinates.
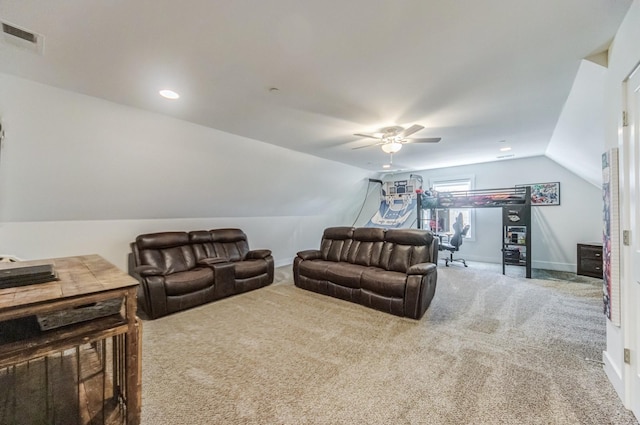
{"type": "Point", "coordinates": [250, 268]}
{"type": "Point", "coordinates": [383, 282]}
{"type": "Point", "coordinates": [400, 258]}
{"type": "Point", "coordinates": [230, 243]}
{"type": "Point", "coordinates": [419, 240]}
{"type": "Point", "coordinates": [170, 252]}
{"type": "Point", "coordinates": [345, 274]}
{"type": "Point", "coordinates": [162, 240]}
{"type": "Point", "coordinates": [335, 243]}
{"type": "Point", "coordinates": [340, 232]}
{"type": "Point", "coordinates": [189, 281]}
{"type": "Point", "coordinates": [169, 260]}
{"type": "Point", "coordinates": [366, 247]}
{"type": "Point", "coordinates": [202, 244]}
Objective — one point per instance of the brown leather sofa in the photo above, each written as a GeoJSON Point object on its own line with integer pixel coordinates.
{"type": "Point", "coordinates": [390, 270]}
{"type": "Point", "coordinates": [180, 270]}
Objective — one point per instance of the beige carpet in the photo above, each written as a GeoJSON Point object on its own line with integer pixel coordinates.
{"type": "Point", "coordinates": [491, 349]}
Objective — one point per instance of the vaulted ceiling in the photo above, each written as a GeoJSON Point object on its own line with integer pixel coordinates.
{"type": "Point", "coordinates": [308, 75]}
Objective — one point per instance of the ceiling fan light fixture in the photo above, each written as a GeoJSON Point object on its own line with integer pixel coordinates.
{"type": "Point", "coordinates": [391, 147]}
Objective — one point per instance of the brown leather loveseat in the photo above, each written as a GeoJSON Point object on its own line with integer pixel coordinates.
{"type": "Point", "coordinates": [180, 270]}
{"type": "Point", "coordinates": [391, 270]}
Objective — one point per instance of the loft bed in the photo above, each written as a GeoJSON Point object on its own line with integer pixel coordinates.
{"type": "Point", "coordinates": [481, 198]}
{"type": "Point", "coordinates": [516, 216]}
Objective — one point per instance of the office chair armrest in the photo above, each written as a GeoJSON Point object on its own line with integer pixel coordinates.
{"type": "Point", "coordinates": [446, 247]}
{"type": "Point", "coordinates": [422, 268]}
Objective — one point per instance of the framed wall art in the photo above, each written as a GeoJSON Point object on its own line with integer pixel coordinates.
{"type": "Point", "coordinates": [544, 193]}
{"type": "Point", "coordinates": [610, 236]}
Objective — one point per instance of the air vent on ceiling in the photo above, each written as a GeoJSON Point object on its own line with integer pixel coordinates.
{"type": "Point", "coordinates": [22, 38]}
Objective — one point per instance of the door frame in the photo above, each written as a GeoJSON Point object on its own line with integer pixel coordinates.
{"type": "Point", "coordinates": [630, 289]}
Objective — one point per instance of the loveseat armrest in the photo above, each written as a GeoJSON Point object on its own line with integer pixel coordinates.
{"type": "Point", "coordinates": [310, 254]}
{"type": "Point", "coordinates": [148, 271]}
{"type": "Point", "coordinates": [422, 268]}
{"type": "Point", "coordinates": [258, 254]}
{"type": "Point", "coordinates": [210, 261]}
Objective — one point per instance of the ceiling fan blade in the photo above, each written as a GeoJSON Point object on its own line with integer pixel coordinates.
{"type": "Point", "coordinates": [368, 146]}
{"type": "Point", "coordinates": [424, 140]}
{"type": "Point", "coordinates": [367, 135]}
{"type": "Point", "coordinates": [409, 131]}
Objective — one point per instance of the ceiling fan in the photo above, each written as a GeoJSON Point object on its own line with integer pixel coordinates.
{"type": "Point", "coordinates": [392, 138]}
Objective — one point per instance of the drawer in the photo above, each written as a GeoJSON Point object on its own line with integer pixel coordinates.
{"type": "Point", "coordinates": [591, 252]}
{"type": "Point", "coordinates": [591, 266]}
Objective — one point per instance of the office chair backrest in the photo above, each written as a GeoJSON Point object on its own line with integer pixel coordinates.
{"type": "Point", "coordinates": [456, 239]}
{"type": "Point", "coordinates": [458, 236]}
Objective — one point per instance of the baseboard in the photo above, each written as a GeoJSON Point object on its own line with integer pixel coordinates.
{"type": "Point", "coordinates": [549, 265]}
{"type": "Point", "coordinates": [546, 265]}
{"type": "Point", "coordinates": [286, 262]}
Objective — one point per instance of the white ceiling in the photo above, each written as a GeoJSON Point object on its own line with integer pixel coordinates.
{"type": "Point", "coordinates": [472, 72]}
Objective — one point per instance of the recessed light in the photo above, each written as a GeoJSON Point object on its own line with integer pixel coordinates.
{"type": "Point", "coordinates": [386, 166]}
{"type": "Point", "coordinates": [169, 94]}
{"type": "Point", "coordinates": [505, 149]}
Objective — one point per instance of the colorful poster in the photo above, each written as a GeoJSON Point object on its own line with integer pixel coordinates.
{"type": "Point", "coordinates": [544, 193]}
{"type": "Point", "coordinates": [610, 237]}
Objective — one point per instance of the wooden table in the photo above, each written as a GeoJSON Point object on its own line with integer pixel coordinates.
{"type": "Point", "coordinates": [83, 281]}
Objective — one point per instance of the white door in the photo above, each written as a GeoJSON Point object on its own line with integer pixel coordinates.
{"type": "Point", "coordinates": [631, 299]}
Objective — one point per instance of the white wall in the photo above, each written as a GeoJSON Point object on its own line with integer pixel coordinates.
{"type": "Point", "coordinates": [556, 229]}
{"type": "Point", "coordinates": [82, 175]}
{"type": "Point", "coordinates": [577, 142]}
{"type": "Point", "coordinates": [624, 55]}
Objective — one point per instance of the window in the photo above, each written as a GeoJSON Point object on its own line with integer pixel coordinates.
{"type": "Point", "coordinates": [446, 217]}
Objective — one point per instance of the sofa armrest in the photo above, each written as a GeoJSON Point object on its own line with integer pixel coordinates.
{"type": "Point", "coordinates": [258, 254]}
{"type": "Point", "coordinates": [422, 268]}
{"type": "Point", "coordinates": [153, 300]}
{"type": "Point", "coordinates": [211, 261]}
{"type": "Point", "coordinates": [420, 289]}
{"type": "Point", "coordinates": [147, 271]}
{"type": "Point", "coordinates": [311, 254]}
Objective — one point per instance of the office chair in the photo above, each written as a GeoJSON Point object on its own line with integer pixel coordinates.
{"type": "Point", "coordinates": [460, 231]}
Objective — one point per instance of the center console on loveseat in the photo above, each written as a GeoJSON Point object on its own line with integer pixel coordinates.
{"type": "Point", "coordinates": [390, 270]}
{"type": "Point", "coordinates": [180, 270]}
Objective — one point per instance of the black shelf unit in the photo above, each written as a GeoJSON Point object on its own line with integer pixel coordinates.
{"type": "Point", "coordinates": [516, 214]}
{"type": "Point", "coordinates": [516, 235]}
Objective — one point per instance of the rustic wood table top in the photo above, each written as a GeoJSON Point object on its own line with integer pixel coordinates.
{"type": "Point", "coordinates": [77, 277]}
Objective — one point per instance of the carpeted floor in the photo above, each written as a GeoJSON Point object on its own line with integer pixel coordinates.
{"type": "Point", "coordinates": [491, 349]}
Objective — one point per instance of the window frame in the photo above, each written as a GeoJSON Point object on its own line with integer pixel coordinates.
{"type": "Point", "coordinates": [467, 180]}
